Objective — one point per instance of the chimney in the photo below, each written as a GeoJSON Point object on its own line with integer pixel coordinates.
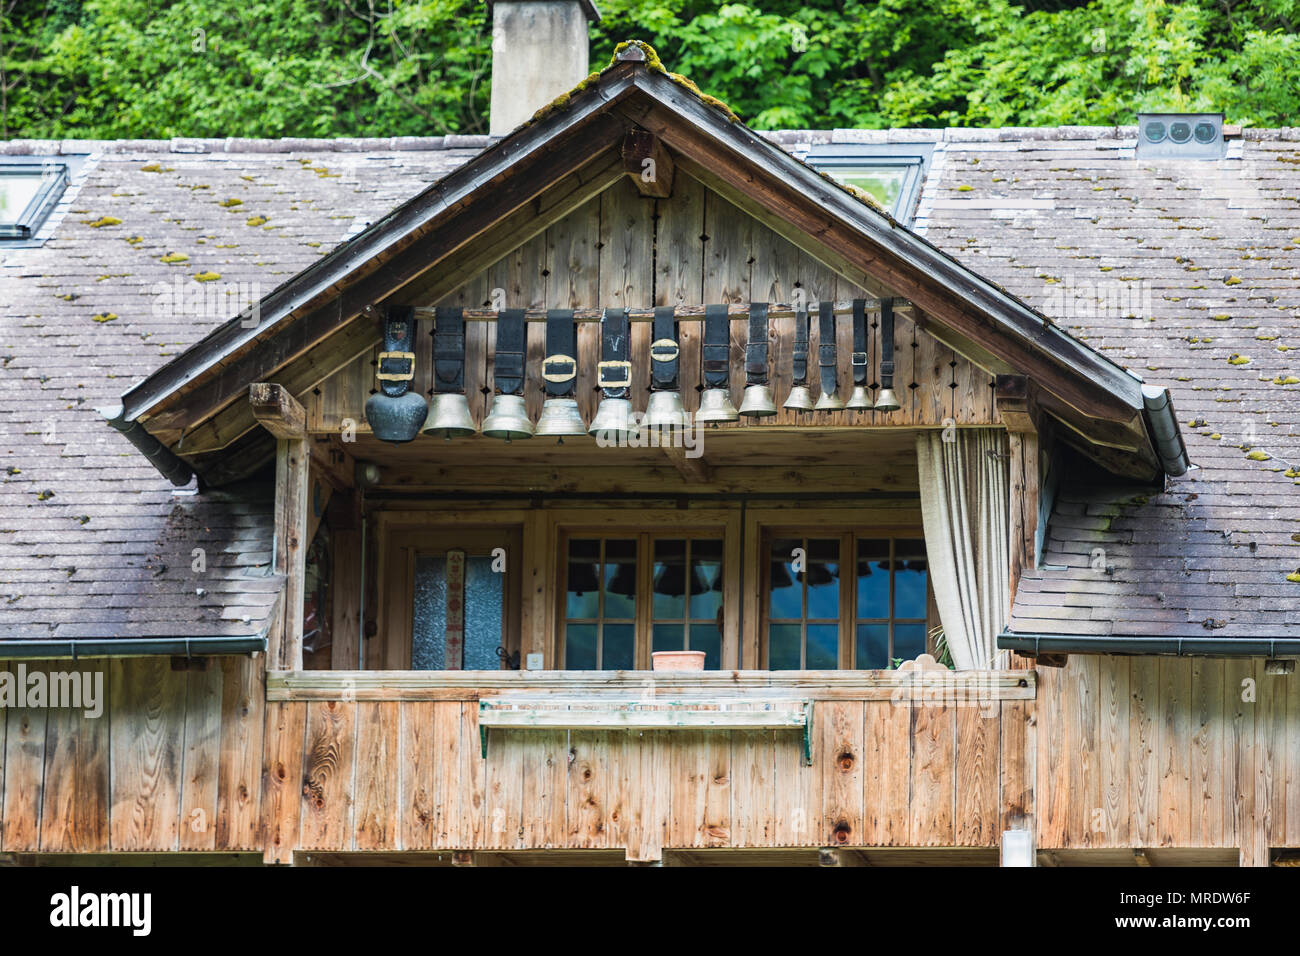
{"type": "Point", "coordinates": [539, 50]}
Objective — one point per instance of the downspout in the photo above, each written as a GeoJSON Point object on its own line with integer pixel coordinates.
{"type": "Point", "coordinates": [1190, 646]}
{"type": "Point", "coordinates": [160, 456]}
{"type": "Point", "coordinates": [1165, 434]}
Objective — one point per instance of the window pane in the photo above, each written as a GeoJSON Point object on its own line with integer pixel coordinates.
{"type": "Point", "coordinates": [484, 592]}
{"type": "Point", "coordinates": [909, 579]}
{"type": "Point", "coordinates": [706, 638]}
{"type": "Point", "coordinates": [909, 640]}
{"type": "Point", "coordinates": [16, 191]}
{"type": "Point", "coordinates": [706, 594]}
{"type": "Point", "coordinates": [580, 647]}
{"type": "Point", "coordinates": [620, 579]}
{"type": "Point", "coordinates": [584, 581]}
{"type": "Point", "coordinates": [619, 650]}
{"type": "Point", "coordinates": [884, 183]}
{"type": "Point", "coordinates": [823, 647]}
{"type": "Point", "coordinates": [429, 620]}
{"type": "Point", "coordinates": [823, 579]}
{"type": "Point", "coordinates": [786, 599]}
{"type": "Point", "coordinates": [873, 647]}
{"type": "Point", "coordinates": [669, 637]}
{"type": "Point", "coordinates": [783, 647]}
{"type": "Point", "coordinates": [670, 579]}
{"type": "Point", "coordinates": [873, 579]}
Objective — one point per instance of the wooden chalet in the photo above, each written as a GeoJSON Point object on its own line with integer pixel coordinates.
{"type": "Point", "coordinates": [449, 654]}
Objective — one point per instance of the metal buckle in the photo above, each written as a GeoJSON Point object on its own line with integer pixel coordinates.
{"type": "Point", "coordinates": [606, 380]}
{"type": "Point", "coordinates": [406, 376]}
{"type": "Point", "coordinates": [663, 350]}
{"type": "Point", "coordinates": [562, 361]}
{"type": "Point", "coordinates": [860, 358]}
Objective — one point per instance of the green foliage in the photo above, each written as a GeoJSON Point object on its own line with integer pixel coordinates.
{"type": "Point", "coordinates": [158, 68]}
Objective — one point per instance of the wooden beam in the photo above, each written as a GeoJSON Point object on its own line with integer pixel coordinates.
{"type": "Point", "coordinates": [292, 465]}
{"type": "Point", "coordinates": [277, 411]}
{"type": "Point", "coordinates": [648, 164]}
{"type": "Point", "coordinates": [328, 356]}
{"type": "Point", "coordinates": [692, 469]}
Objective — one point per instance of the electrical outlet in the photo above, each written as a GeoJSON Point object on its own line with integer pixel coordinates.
{"type": "Point", "coordinates": [534, 662]}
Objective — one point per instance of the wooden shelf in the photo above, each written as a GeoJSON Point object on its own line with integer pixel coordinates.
{"type": "Point", "coordinates": [593, 713]}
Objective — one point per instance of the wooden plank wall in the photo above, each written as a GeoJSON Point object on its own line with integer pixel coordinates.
{"type": "Point", "coordinates": [1136, 752]}
{"type": "Point", "coordinates": [173, 763]}
{"type": "Point", "coordinates": [882, 774]}
{"type": "Point", "coordinates": [1159, 752]}
{"type": "Point", "coordinates": [694, 248]}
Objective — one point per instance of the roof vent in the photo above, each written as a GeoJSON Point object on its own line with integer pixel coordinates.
{"type": "Point", "coordinates": [1180, 136]}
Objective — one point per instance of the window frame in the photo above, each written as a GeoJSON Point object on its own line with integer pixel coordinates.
{"type": "Point", "coordinates": [837, 159]}
{"type": "Point", "coordinates": [721, 526]}
{"type": "Point", "coordinates": [900, 519]}
{"type": "Point", "coordinates": [42, 203]}
{"type": "Point", "coordinates": [849, 616]}
{"type": "Point", "coordinates": [392, 647]}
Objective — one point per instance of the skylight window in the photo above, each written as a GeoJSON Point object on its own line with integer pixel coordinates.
{"type": "Point", "coordinates": [892, 173]}
{"type": "Point", "coordinates": [28, 191]}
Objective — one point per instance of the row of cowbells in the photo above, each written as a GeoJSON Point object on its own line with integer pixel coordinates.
{"type": "Point", "coordinates": [508, 417]}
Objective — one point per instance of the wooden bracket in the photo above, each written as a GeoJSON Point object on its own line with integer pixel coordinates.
{"type": "Point", "coordinates": [648, 163]}
{"type": "Point", "coordinates": [1016, 406]}
{"type": "Point", "coordinates": [277, 410]}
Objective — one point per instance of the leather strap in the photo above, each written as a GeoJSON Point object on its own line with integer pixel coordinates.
{"type": "Point", "coordinates": [717, 345]}
{"type": "Point", "coordinates": [615, 373]}
{"type": "Point", "coordinates": [560, 367]}
{"type": "Point", "coordinates": [756, 347]}
{"type": "Point", "coordinates": [449, 350]}
{"type": "Point", "coordinates": [826, 347]}
{"type": "Point", "coordinates": [886, 343]}
{"type": "Point", "coordinates": [799, 357]}
{"type": "Point", "coordinates": [859, 342]}
{"type": "Point", "coordinates": [508, 363]}
{"type": "Point", "coordinates": [397, 360]}
{"type": "Point", "coordinates": [665, 362]}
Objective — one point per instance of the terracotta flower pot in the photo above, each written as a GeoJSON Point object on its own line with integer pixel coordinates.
{"type": "Point", "coordinates": [678, 660]}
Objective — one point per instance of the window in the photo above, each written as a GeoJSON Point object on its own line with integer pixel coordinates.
{"type": "Point", "coordinates": [600, 604]}
{"type": "Point", "coordinates": [28, 191]}
{"type": "Point", "coordinates": [627, 596]}
{"type": "Point", "coordinates": [687, 596]}
{"type": "Point", "coordinates": [451, 600]}
{"type": "Point", "coordinates": [890, 606]}
{"type": "Point", "coordinates": [823, 613]}
{"type": "Point", "coordinates": [891, 173]}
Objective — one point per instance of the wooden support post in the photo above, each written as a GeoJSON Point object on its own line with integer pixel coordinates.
{"type": "Point", "coordinates": [1019, 413]}
{"type": "Point", "coordinates": [291, 510]}
{"type": "Point", "coordinates": [282, 415]}
{"type": "Point", "coordinates": [344, 520]}
{"type": "Point", "coordinates": [648, 164]}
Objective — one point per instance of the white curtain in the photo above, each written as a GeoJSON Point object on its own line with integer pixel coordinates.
{"type": "Point", "coordinates": [965, 508]}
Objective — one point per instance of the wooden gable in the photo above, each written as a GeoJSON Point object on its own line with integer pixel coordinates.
{"type": "Point", "coordinates": [689, 249]}
{"type": "Point", "coordinates": [548, 215]}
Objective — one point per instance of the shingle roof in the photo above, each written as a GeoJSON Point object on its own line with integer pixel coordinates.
{"type": "Point", "coordinates": [111, 552]}
{"type": "Point", "coordinates": [1041, 212]}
